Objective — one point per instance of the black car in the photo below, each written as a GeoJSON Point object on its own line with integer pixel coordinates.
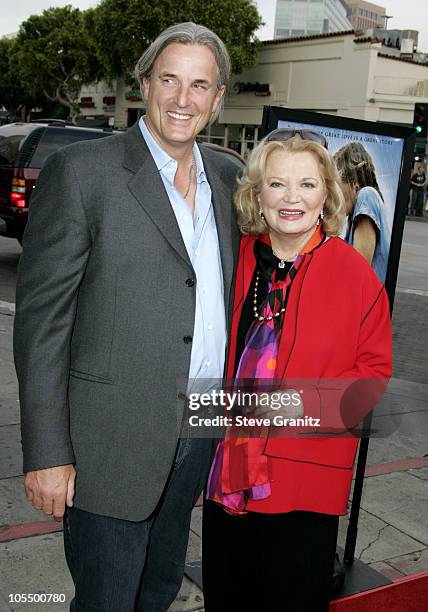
{"type": "Point", "coordinates": [21, 162]}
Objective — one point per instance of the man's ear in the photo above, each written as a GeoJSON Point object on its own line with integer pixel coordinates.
{"type": "Point", "coordinates": [145, 86]}
{"type": "Point", "coordinates": [218, 97]}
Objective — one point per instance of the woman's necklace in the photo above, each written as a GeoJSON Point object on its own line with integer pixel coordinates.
{"type": "Point", "coordinates": [283, 260]}
{"type": "Point", "coordinates": [192, 170]}
{"type": "Point", "coordinates": [258, 316]}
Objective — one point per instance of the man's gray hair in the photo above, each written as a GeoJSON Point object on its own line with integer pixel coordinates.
{"type": "Point", "coordinates": [187, 33]}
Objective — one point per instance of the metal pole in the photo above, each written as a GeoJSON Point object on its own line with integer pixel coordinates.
{"type": "Point", "coordinates": [351, 534]}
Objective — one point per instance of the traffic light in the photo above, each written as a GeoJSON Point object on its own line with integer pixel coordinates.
{"type": "Point", "coordinates": [420, 120]}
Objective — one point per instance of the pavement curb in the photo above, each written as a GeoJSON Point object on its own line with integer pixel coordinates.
{"type": "Point", "coordinates": [8, 533]}
{"type": "Point", "coordinates": [402, 465]}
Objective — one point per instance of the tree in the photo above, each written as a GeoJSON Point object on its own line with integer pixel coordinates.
{"type": "Point", "coordinates": [124, 28]}
{"type": "Point", "coordinates": [55, 56]}
{"type": "Point", "coordinates": [14, 94]}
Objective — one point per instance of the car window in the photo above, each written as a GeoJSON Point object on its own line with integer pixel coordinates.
{"type": "Point", "coordinates": [9, 147]}
{"type": "Point", "coordinates": [56, 138]}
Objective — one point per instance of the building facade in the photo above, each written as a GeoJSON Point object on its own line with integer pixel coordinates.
{"type": "Point", "coordinates": [338, 73]}
{"type": "Point", "coordinates": [365, 15]}
{"type": "Point", "coordinates": [293, 18]}
{"type": "Point", "coordinates": [98, 103]}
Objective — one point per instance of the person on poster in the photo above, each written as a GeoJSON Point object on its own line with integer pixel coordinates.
{"type": "Point", "coordinates": [122, 291]}
{"type": "Point", "coordinates": [307, 306]}
{"type": "Point", "coordinates": [418, 182]}
{"type": "Point", "coordinates": [367, 226]}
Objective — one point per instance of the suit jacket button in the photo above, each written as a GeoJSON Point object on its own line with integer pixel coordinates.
{"type": "Point", "coordinates": [187, 339]}
{"type": "Point", "coordinates": [190, 282]}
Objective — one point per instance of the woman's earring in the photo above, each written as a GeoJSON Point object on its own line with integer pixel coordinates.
{"type": "Point", "coordinates": [321, 216]}
{"type": "Point", "coordinates": [261, 215]}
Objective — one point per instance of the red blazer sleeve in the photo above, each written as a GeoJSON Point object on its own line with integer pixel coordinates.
{"type": "Point", "coordinates": [347, 399]}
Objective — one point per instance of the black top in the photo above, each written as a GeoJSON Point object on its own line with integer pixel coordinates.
{"type": "Point", "coordinates": [419, 177]}
{"type": "Point", "coordinates": [266, 263]}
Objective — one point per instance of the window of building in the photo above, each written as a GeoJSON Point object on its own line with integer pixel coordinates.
{"type": "Point", "coordinates": [250, 139]}
{"type": "Point", "coordinates": [234, 140]}
{"type": "Point", "coordinates": [250, 132]}
{"type": "Point", "coordinates": [214, 133]}
{"type": "Point", "coordinates": [297, 32]}
{"type": "Point", "coordinates": [240, 138]}
{"type": "Point", "coordinates": [284, 16]}
{"type": "Point", "coordinates": [315, 21]}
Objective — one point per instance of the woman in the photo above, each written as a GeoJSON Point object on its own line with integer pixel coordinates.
{"type": "Point", "coordinates": [367, 229]}
{"type": "Point", "coordinates": [418, 183]}
{"type": "Point", "coordinates": [307, 306]}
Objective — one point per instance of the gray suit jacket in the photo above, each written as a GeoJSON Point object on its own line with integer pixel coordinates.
{"type": "Point", "coordinates": [102, 309]}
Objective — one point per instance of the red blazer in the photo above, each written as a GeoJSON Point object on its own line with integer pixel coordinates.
{"type": "Point", "coordinates": [337, 329]}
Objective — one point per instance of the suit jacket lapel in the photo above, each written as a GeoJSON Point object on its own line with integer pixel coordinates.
{"type": "Point", "coordinates": [147, 187]}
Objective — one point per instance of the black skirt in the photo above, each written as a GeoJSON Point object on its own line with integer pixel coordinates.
{"type": "Point", "coordinates": [267, 562]}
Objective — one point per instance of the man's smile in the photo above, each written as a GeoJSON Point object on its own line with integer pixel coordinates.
{"type": "Point", "coordinates": [179, 116]}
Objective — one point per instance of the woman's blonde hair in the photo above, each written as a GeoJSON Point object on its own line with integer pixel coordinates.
{"type": "Point", "coordinates": [254, 176]}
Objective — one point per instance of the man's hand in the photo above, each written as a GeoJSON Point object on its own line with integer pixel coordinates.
{"type": "Point", "coordinates": [51, 489]}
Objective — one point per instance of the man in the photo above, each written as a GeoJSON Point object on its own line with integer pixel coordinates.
{"type": "Point", "coordinates": [418, 182]}
{"type": "Point", "coordinates": [123, 290]}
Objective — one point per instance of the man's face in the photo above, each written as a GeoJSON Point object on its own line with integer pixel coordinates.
{"type": "Point", "coordinates": [181, 95]}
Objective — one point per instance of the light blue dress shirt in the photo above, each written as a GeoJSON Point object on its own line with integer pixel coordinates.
{"type": "Point", "coordinates": [200, 237]}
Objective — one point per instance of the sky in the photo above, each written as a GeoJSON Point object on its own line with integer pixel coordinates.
{"type": "Point", "coordinates": [408, 14]}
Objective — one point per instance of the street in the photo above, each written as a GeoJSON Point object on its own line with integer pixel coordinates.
{"type": "Point", "coordinates": [414, 258]}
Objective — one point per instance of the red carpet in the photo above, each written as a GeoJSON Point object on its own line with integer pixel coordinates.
{"type": "Point", "coordinates": [409, 594]}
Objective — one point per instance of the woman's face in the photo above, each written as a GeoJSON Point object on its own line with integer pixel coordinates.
{"type": "Point", "coordinates": [293, 194]}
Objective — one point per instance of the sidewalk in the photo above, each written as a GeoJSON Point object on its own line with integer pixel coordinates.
{"type": "Point", "coordinates": [393, 527]}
